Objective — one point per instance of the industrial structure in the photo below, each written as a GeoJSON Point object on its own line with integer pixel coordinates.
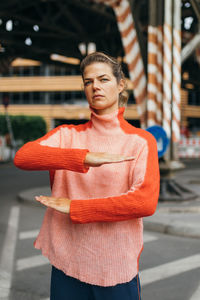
{"type": "Point", "coordinates": [156, 40]}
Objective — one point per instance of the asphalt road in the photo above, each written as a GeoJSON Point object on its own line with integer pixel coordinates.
{"type": "Point", "coordinates": [170, 266]}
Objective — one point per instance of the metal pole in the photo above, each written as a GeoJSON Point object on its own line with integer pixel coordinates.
{"type": "Point", "coordinates": [176, 78]}
{"type": "Point", "coordinates": [152, 67]}
{"type": "Point", "coordinates": [12, 140]}
{"type": "Point", "coordinates": [196, 8]}
{"type": "Point", "coordinates": [190, 47]}
{"type": "Point", "coordinates": [171, 190]}
{"type": "Point", "coordinates": [172, 78]}
{"type": "Point", "coordinates": [167, 65]}
{"type": "Point", "coordinates": [133, 56]}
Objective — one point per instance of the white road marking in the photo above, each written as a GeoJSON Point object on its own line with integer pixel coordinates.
{"type": "Point", "coordinates": [149, 237]}
{"type": "Point", "coordinates": [8, 252]}
{"type": "Point", "coordinates": [39, 260]}
{"type": "Point", "coordinates": [28, 234]}
{"type": "Point", "coordinates": [196, 295]}
{"type": "Point", "coordinates": [31, 262]}
{"type": "Point", "coordinates": [170, 269]}
{"type": "Point", "coordinates": [147, 276]}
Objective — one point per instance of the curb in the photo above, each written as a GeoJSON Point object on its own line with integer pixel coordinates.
{"type": "Point", "coordinates": [28, 196]}
{"type": "Point", "coordinates": [183, 210]}
{"type": "Point", "coordinates": [156, 223]}
{"type": "Point", "coordinates": [176, 230]}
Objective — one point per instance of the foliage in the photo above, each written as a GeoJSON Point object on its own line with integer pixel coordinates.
{"type": "Point", "coordinates": [25, 128]}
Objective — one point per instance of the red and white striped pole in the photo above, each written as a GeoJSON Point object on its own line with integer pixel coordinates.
{"type": "Point", "coordinates": [159, 113]}
{"type": "Point", "coordinates": [167, 67]}
{"type": "Point", "coordinates": [132, 53]}
{"type": "Point", "coordinates": [154, 67]}
{"type": "Point", "coordinates": [176, 69]}
{"type": "Point", "coordinates": [133, 56]}
{"type": "Point", "coordinates": [172, 73]}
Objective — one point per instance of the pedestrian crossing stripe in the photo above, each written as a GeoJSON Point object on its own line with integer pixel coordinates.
{"type": "Point", "coordinates": [196, 295]}
{"type": "Point", "coordinates": [31, 262]}
{"type": "Point", "coordinates": [147, 276]}
{"type": "Point", "coordinates": [170, 269]}
{"type": "Point", "coordinates": [28, 234]}
{"type": "Point", "coordinates": [40, 260]}
{"type": "Point", "coordinates": [8, 253]}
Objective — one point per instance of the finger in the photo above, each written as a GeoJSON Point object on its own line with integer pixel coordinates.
{"type": "Point", "coordinates": [45, 201]}
{"type": "Point", "coordinates": [41, 199]}
{"type": "Point", "coordinates": [119, 159]}
{"type": "Point", "coordinates": [46, 197]}
{"type": "Point", "coordinates": [123, 158]}
{"type": "Point", "coordinates": [130, 158]}
{"type": "Point", "coordinates": [38, 198]}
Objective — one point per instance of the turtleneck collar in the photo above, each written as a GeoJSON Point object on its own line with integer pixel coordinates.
{"type": "Point", "coordinates": [107, 123]}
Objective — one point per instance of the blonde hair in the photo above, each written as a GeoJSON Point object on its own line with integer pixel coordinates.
{"type": "Point", "coordinates": [116, 70]}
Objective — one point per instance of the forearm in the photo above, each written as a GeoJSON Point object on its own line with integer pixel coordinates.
{"type": "Point", "coordinates": [141, 203]}
{"type": "Point", "coordinates": [33, 156]}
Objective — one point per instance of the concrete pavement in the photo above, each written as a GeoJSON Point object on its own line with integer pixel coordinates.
{"type": "Point", "coordinates": [175, 218]}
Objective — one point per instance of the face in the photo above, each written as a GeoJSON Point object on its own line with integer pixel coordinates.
{"type": "Point", "coordinates": [101, 88]}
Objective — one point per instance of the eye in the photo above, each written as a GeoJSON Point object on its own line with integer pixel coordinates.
{"type": "Point", "coordinates": [104, 79]}
{"type": "Point", "coordinates": [86, 83]}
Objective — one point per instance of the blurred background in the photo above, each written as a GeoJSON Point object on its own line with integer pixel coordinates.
{"type": "Point", "coordinates": [158, 43]}
{"type": "Point", "coordinates": [42, 44]}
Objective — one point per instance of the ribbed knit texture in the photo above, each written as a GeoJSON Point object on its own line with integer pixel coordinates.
{"type": "Point", "coordinates": [101, 240]}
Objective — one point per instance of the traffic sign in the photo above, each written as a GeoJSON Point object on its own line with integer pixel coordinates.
{"type": "Point", "coordinates": [161, 137]}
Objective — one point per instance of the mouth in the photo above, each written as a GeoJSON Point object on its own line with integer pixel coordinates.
{"type": "Point", "coordinates": [97, 96]}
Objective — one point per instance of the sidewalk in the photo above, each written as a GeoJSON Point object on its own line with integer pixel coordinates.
{"type": "Point", "coordinates": [175, 218]}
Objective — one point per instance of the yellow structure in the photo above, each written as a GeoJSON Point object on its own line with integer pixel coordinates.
{"type": "Point", "coordinates": [51, 112]}
{"type": "Point", "coordinates": [67, 83]}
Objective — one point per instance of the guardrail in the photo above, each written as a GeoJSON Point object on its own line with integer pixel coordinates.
{"type": "Point", "coordinates": [189, 147]}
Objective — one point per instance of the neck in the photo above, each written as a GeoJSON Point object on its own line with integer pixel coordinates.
{"type": "Point", "coordinates": [109, 123]}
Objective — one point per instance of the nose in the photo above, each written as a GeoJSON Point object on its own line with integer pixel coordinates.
{"type": "Point", "coordinates": [95, 85]}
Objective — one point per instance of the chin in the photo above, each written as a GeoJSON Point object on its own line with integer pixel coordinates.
{"type": "Point", "coordinates": [98, 106]}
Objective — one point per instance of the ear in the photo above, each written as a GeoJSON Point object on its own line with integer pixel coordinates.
{"type": "Point", "coordinates": [121, 85]}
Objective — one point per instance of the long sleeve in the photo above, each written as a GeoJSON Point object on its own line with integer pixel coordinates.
{"type": "Point", "coordinates": [46, 154]}
{"type": "Point", "coordinates": [140, 201]}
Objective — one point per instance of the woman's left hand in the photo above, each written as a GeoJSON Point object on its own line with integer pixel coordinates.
{"type": "Point", "coordinates": [60, 204]}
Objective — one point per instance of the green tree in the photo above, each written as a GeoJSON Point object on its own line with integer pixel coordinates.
{"type": "Point", "coordinates": [25, 128]}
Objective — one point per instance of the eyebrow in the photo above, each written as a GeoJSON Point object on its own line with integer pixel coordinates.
{"type": "Point", "coordinates": [97, 77]}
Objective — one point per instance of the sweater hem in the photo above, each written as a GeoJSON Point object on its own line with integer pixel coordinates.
{"type": "Point", "coordinates": [108, 283]}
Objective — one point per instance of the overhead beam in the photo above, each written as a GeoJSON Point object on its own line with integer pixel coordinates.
{"type": "Point", "coordinates": [70, 18]}
{"type": "Point", "coordinates": [37, 35]}
{"type": "Point", "coordinates": [44, 84]}
{"type": "Point", "coordinates": [190, 47]}
{"type": "Point", "coordinates": [44, 25]}
{"type": "Point", "coordinates": [196, 8]}
{"type": "Point", "coordinates": [94, 7]}
{"type": "Point", "coordinates": [41, 48]}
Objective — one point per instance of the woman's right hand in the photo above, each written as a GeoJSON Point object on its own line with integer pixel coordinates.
{"type": "Point", "coordinates": [96, 159]}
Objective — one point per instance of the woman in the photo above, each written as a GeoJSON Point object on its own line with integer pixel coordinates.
{"type": "Point", "coordinates": [104, 178]}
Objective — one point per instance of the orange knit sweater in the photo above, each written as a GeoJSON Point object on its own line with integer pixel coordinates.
{"type": "Point", "coordinates": [101, 240]}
